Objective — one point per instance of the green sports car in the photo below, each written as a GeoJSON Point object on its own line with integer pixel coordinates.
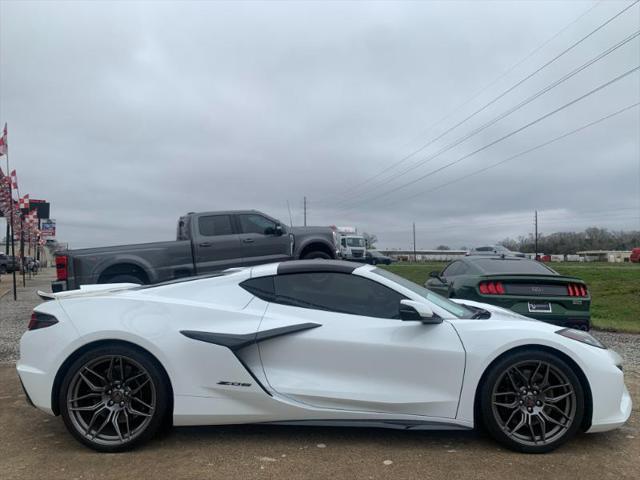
{"type": "Point", "coordinates": [524, 286]}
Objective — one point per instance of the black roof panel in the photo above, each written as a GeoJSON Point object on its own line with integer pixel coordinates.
{"type": "Point", "coordinates": [307, 266]}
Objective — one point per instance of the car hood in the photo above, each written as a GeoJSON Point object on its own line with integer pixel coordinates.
{"type": "Point", "coordinates": [495, 311]}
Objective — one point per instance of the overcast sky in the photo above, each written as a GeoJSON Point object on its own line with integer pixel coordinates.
{"type": "Point", "coordinates": [126, 115]}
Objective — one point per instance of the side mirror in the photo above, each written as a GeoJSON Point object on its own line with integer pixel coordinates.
{"type": "Point", "coordinates": [279, 230]}
{"type": "Point", "coordinates": [437, 276]}
{"type": "Point", "coordinates": [418, 312]}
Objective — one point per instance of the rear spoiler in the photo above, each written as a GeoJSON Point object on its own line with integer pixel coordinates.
{"type": "Point", "coordinates": [552, 278]}
{"type": "Point", "coordinates": [87, 290]}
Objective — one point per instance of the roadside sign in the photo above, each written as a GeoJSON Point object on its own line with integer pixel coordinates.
{"type": "Point", "coordinates": [48, 227]}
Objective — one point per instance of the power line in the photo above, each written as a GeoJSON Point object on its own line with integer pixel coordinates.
{"type": "Point", "coordinates": [501, 76]}
{"type": "Point", "coordinates": [513, 109]}
{"type": "Point", "coordinates": [529, 150]}
{"type": "Point", "coordinates": [495, 99]}
{"type": "Point", "coordinates": [510, 134]}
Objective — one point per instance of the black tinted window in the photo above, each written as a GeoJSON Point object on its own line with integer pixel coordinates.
{"type": "Point", "coordinates": [214, 225]}
{"type": "Point", "coordinates": [257, 224]}
{"type": "Point", "coordinates": [261, 287]}
{"type": "Point", "coordinates": [338, 292]}
{"type": "Point", "coordinates": [506, 265]}
{"type": "Point", "coordinates": [456, 268]}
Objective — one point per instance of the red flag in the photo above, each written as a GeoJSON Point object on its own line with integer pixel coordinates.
{"type": "Point", "coordinates": [14, 180]}
{"type": "Point", "coordinates": [3, 141]}
{"type": "Point", "coordinates": [23, 202]}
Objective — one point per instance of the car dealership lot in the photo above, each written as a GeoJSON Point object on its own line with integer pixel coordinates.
{"type": "Point", "coordinates": [33, 442]}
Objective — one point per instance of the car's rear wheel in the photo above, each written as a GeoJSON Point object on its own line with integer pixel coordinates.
{"type": "Point", "coordinates": [113, 398]}
{"type": "Point", "coordinates": [532, 401]}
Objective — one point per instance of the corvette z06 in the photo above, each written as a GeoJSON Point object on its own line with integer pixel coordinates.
{"type": "Point", "coordinates": [311, 342]}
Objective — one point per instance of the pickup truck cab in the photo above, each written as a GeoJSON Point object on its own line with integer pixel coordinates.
{"type": "Point", "coordinates": [206, 242]}
{"type": "Point", "coordinates": [8, 263]}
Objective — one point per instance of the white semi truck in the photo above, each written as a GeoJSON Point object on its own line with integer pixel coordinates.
{"type": "Point", "coordinates": [352, 244]}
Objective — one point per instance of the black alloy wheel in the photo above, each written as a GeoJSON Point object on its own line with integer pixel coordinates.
{"type": "Point", "coordinates": [532, 402]}
{"type": "Point", "coordinates": [113, 398]}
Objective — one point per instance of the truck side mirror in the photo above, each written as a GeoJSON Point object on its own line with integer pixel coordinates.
{"type": "Point", "coordinates": [278, 230]}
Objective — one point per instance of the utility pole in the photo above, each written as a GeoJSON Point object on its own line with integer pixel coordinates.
{"type": "Point", "coordinates": [536, 235]}
{"type": "Point", "coordinates": [305, 211]}
{"type": "Point", "coordinates": [415, 257]}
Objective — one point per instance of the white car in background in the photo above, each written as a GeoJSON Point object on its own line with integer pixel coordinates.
{"type": "Point", "coordinates": [316, 343]}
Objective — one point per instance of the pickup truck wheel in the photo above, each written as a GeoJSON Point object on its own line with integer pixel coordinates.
{"type": "Point", "coordinates": [316, 255]}
{"type": "Point", "coordinates": [3, 269]}
{"type": "Point", "coordinates": [125, 279]}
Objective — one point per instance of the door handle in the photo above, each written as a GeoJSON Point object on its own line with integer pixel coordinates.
{"type": "Point", "coordinates": [247, 240]}
{"type": "Point", "coordinates": [205, 244]}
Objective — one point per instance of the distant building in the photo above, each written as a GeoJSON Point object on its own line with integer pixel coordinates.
{"type": "Point", "coordinates": [425, 255]}
{"type": "Point", "coordinates": [613, 256]}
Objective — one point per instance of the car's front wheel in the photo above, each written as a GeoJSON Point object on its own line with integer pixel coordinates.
{"type": "Point", "coordinates": [113, 398]}
{"type": "Point", "coordinates": [532, 401]}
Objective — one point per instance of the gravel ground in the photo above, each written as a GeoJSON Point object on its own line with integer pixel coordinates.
{"type": "Point", "coordinates": [14, 315]}
{"type": "Point", "coordinates": [626, 344]}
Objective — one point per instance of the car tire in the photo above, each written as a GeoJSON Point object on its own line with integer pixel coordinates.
{"type": "Point", "coordinates": [3, 269]}
{"type": "Point", "coordinates": [125, 279]}
{"type": "Point", "coordinates": [545, 409]}
{"type": "Point", "coordinates": [114, 398]}
{"type": "Point", "coordinates": [317, 255]}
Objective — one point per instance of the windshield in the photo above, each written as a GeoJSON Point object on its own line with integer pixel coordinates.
{"type": "Point", "coordinates": [453, 308]}
{"type": "Point", "coordinates": [355, 241]}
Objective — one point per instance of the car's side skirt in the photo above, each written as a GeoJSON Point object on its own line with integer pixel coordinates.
{"type": "Point", "coordinates": [367, 423]}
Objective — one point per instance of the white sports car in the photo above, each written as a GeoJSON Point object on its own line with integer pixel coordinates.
{"type": "Point", "coordinates": [316, 343]}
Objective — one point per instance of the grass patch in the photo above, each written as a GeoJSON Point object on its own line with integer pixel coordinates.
{"type": "Point", "coordinates": [614, 287]}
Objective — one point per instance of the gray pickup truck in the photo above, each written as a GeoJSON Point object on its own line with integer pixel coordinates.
{"type": "Point", "coordinates": [206, 242]}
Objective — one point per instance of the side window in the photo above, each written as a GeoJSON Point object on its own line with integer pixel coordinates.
{"type": "Point", "coordinates": [261, 287]}
{"type": "Point", "coordinates": [343, 242]}
{"type": "Point", "coordinates": [338, 292]}
{"type": "Point", "coordinates": [214, 225]}
{"type": "Point", "coordinates": [250, 223]}
{"type": "Point", "coordinates": [456, 268]}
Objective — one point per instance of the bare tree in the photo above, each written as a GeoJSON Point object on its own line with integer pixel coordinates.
{"type": "Point", "coordinates": [370, 240]}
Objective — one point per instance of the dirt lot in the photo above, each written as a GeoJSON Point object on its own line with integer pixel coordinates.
{"type": "Point", "coordinates": [34, 445]}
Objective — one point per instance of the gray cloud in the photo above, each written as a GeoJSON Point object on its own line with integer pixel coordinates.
{"type": "Point", "coordinates": [125, 115]}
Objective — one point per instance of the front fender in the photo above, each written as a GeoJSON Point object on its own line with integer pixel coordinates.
{"type": "Point", "coordinates": [486, 340]}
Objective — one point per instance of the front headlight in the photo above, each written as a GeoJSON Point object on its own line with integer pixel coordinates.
{"type": "Point", "coordinates": [581, 336]}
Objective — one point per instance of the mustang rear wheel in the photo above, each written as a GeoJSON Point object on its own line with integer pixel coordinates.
{"type": "Point", "coordinates": [113, 398]}
{"type": "Point", "coordinates": [532, 402]}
